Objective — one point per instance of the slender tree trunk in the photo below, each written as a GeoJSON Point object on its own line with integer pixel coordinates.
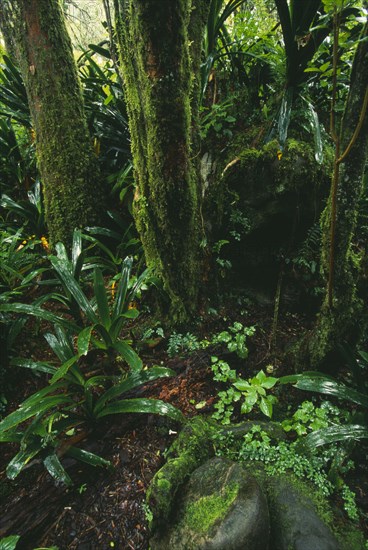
{"type": "Point", "coordinates": [158, 76]}
{"type": "Point", "coordinates": [67, 164]}
{"type": "Point", "coordinates": [341, 316]}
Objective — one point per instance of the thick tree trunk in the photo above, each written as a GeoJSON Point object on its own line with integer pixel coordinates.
{"type": "Point", "coordinates": [68, 167]}
{"type": "Point", "coordinates": [341, 320]}
{"type": "Point", "coordinates": [158, 76]}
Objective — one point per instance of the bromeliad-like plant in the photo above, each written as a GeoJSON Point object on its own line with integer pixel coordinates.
{"type": "Point", "coordinates": [99, 319]}
{"type": "Point", "coordinates": [62, 414]}
{"type": "Point", "coordinates": [354, 429]}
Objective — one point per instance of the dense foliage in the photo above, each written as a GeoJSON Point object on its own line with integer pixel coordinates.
{"type": "Point", "coordinates": [267, 92]}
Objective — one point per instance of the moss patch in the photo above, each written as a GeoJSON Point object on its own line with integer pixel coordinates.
{"type": "Point", "coordinates": [200, 516]}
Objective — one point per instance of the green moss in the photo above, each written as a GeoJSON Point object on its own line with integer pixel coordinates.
{"type": "Point", "coordinates": [200, 516]}
{"type": "Point", "coordinates": [192, 447]}
{"type": "Point", "coordinates": [158, 79]}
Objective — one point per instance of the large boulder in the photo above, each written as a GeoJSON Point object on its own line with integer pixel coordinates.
{"type": "Point", "coordinates": [221, 508]}
{"type": "Point", "coordinates": [296, 525]}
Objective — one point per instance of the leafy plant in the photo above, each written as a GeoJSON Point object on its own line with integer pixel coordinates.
{"type": "Point", "coordinates": [181, 343]}
{"type": "Point", "coordinates": [31, 211]}
{"type": "Point", "coordinates": [9, 543]}
{"type": "Point", "coordinates": [309, 418]}
{"type": "Point", "coordinates": [280, 457]}
{"type": "Point", "coordinates": [251, 392]}
{"type": "Point", "coordinates": [219, 12]}
{"type": "Point", "coordinates": [351, 430]}
{"type": "Point", "coordinates": [235, 339]}
{"type": "Point", "coordinates": [74, 401]}
{"type": "Point", "coordinates": [216, 120]}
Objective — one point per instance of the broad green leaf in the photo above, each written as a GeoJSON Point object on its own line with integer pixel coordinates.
{"type": "Point", "coordinates": [129, 355]}
{"type": "Point", "coordinates": [101, 298]}
{"type": "Point", "coordinates": [9, 543]}
{"type": "Point", "coordinates": [363, 355]}
{"type": "Point", "coordinates": [56, 470]}
{"type": "Point", "coordinates": [61, 371]}
{"type": "Point", "coordinates": [270, 382]}
{"type": "Point", "coordinates": [88, 458]}
{"type": "Point", "coordinates": [60, 343]}
{"type": "Point", "coordinates": [266, 407]}
{"type": "Point", "coordinates": [140, 405]}
{"type": "Point", "coordinates": [133, 380]}
{"type": "Point", "coordinates": [130, 313]}
{"type": "Point", "coordinates": [261, 377]}
{"type": "Point", "coordinates": [251, 397]}
{"type": "Point", "coordinates": [62, 253]}
{"type": "Point", "coordinates": [84, 338]}
{"type": "Point", "coordinates": [242, 385]}
{"type": "Point", "coordinates": [11, 436]}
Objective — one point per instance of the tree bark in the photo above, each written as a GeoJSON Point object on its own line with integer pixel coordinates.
{"type": "Point", "coordinates": [68, 166]}
{"type": "Point", "coordinates": [158, 76]}
{"type": "Point", "coordinates": [343, 320]}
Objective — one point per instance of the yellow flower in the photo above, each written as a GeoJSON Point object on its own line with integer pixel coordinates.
{"type": "Point", "coordinates": [113, 286]}
{"type": "Point", "coordinates": [45, 244]}
{"type": "Point", "coordinates": [279, 155]}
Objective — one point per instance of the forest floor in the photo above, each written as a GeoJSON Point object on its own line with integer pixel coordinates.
{"type": "Point", "coordinates": [106, 508]}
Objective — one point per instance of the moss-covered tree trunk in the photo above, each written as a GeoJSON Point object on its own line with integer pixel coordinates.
{"type": "Point", "coordinates": [158, 73]}
{"type": "Point", "coordinates": [67, 163]}
{"type": "Point", "coordinates": [341, 318]}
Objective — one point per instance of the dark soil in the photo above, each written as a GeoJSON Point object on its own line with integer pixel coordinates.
{"type": "Point", "coordinates": [106, 508]}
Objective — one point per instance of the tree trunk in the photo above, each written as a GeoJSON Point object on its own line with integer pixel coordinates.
{"type": "Point", "coordinates": [341, 320]}
{"type": "Point", "coordinates": [67, 164]}
{"type": "Point", "coordinates": [158, 76]}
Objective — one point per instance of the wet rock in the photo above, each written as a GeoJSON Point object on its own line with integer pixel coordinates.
{"type": "Point", "coordinates": [295, 522]}
{"type": "Point", "coordinates": [221, 508]}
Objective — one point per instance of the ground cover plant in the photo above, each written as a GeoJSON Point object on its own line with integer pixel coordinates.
{"type": "Point", "coordinates": [182, 234]}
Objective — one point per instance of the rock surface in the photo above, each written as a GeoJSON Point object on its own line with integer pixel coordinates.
{"type": "Point", "coordinates": [221, 508]}
{"type": "Point", "coordinates": [295, 522]}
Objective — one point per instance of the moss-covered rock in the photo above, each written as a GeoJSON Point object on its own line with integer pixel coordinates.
{"type": "Point", "coordinates": [278, 195]}
{"type": "Point", "coordinates": [192, 447]}
{"type": "Point", "coordinates": [220, 508]}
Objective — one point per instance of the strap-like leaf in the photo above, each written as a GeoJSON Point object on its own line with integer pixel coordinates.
{"type": "Point", "coordinates": [22, 458]}
{"type": "Point", "coordinates": [61, 371]}
{"type": "Point", "coordinates": [119, 305]}
{"type": "Point", "coordinates": [328, 386]}
{"type": "Point", "coordinates": [56, 469]}
{"type": "Point", "coordinates": [88, 458]}
{"type": "Point", "coordinates": [101, 298]}
{"type": "Point", "coordinates": [130, 356]}
{"type": "Point", "coordinates": [140, 405]}
{"type": "Point", "coordinates": [74, 288]}
{"type": "Point", "coordinates": [332, 434]}
{"type": "Point", "coordinates": [135, 379]}
{"type": "Point", "coordinates": [36, 311]}
{"type": "Point", "coordinates": [37, 366]}
{"type": "Point", "coordinates": [27, 411]}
